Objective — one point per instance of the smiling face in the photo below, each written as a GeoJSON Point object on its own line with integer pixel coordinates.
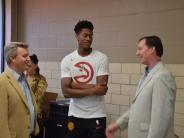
{"type": "Point", "coordinates": [144, 52]}
{"type": "Point", "coordinates": [20, 62]}
{"type": "Point", "coordinates": [85, 38]}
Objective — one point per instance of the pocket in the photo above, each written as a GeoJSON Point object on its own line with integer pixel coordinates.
{"type": "Point", "coordinates": [144, 127]}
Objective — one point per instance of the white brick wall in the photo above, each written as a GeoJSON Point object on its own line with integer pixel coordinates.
{"type": "Point", "coordinates": [131, 68]}
{"type": "Point", "coordinates": [47, 26]}
{"type": "Point", "coordinates": [179, 82]}
{"type": "Point", "coordinates": [121, 78]}
{"type": "Point", "coordinates": [115, 67]}
{"type": "Point", "coordinates": [122, 85]}
{"type": "Point", "coordinates": [120, 100]}
{"type": "Point", "coordinates": [114, 88]}
{"type": "Point", "coordinates": [134, 78]}
{"type": "Point", "coordinates": [128, 89]}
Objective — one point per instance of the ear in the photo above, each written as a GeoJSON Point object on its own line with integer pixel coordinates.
{"type": "Point", "coordinates": [12, 59]}
{"type": "Point", "coordinates": [153, 50]}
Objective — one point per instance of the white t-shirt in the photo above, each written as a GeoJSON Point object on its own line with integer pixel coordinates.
{"type": "Point", "coordinates": [85, 70]}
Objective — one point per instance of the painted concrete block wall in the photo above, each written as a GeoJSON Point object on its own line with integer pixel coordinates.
{"type": "Point", "coordinates": [122, 84]}
{"type": "Point", "coordinates": [47, 26]}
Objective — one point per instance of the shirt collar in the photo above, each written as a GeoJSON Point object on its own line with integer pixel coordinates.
{"type": "Point", "coordinates": [151, 70]}
{"type": "Point", "coordinates": [15, 74]}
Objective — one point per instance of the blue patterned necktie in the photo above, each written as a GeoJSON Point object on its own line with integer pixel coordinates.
{"type": "Point", "coordinates": [146, 72]}
{"type": "Point", "coordinates": [144, 77]}
{"type": "Point", "coordinates": [28, 96]}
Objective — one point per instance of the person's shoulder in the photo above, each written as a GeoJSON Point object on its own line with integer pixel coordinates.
{"type": "Point", "coordinates": [164, 71]}
{"type": "Point", "coordinates": [164, 74]}
{"type": "Point", "coordinates": [40, 76]}
{"type": "Point", "coordinates": [69, 56]}
{"type": "Point", "coordinates": [165, 77]}
{"type": "Point", "coordinates": [2, 75]}
{"type": "Point", "coordinates": [3, 79]}
{"type": "Point", "coordinates": [99, 53]}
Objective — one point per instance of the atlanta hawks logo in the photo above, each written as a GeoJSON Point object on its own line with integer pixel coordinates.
{"type": "Point", "coordinates": [86, 71]}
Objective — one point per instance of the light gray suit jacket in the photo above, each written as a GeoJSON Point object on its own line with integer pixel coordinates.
{"type": "Point", "coordinates": [151, 114]}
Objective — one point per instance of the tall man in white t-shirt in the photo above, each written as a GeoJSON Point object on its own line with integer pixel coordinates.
{"type": "Point", "coordinates": [84, 77]}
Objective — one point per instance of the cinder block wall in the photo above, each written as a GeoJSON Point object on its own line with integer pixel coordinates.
{"type": "Point", "coordinates": [47, 26]}
{"type": "Point", "coordinates": [123, 80]}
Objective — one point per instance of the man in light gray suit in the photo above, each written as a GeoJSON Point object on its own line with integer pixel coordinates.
{"type": "Point", "coordinates": [151, 114]}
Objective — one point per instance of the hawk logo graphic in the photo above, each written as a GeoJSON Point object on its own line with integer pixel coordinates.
{"type": "Point", "coordinates": [87, 72]}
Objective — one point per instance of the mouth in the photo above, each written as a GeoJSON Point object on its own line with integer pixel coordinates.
{"type": "Point", "coordinates": [87, 43]}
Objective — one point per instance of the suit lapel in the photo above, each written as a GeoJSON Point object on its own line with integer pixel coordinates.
{"type": "Point", "coordinates": [148, 78]}
{"type": "Point", "coordinates": [15, 84]}
{"type": "Point", "coordinates": [139, 89]}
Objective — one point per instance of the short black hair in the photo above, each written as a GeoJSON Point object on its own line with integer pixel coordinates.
{"type": "Point", "coordinates": [154, 41]}
{"type": "Point", "coordinates": [83, 24]}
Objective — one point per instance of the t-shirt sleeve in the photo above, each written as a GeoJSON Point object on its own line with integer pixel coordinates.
{"type": "Point", "coordinates": [103, 66]}
{"type": "Point", "coordinates": [65, 68]}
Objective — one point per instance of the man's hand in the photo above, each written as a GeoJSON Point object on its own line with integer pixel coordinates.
{"type": "Point", "coordinates": [74, 85]}
{"type": "Point", "coordinates": [101, 89]}
{"type": "Point", "coordinates": [98, 89]}
{"type": "Point", "coordinates": [111, 129]}
{"type": "Point", "coordinates": [81, 86]}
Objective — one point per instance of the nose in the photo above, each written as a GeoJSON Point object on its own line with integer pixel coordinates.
{"type": "Point", "coordinates": [28, 58]}
{"type": "Point", "coordinates": [88, 38]}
